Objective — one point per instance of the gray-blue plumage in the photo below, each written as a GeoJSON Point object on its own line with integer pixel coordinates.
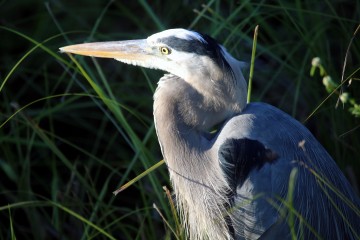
{"type": "Point", "coordinates": [320, 187]}
{"type": "Point", "coordinates": [234, 184]}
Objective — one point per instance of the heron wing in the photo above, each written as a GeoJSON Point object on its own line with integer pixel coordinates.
{"type": "Point", "coordinates": [257, 151]}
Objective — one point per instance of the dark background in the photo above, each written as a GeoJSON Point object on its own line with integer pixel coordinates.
{"type": "Point", "coordinates": [64, 147]}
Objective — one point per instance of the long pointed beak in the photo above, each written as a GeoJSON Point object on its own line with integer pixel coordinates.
{"type": "Point", "coordinates": [130, 50]}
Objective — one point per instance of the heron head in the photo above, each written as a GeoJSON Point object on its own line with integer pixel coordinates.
{"type": "Point", "coordinates": [192, 56]}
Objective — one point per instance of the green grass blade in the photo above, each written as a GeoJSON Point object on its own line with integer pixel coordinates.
{"type": "Point", "coordinates": [138, 177]}
{"type": "Point", "coordinates": [252, 63]}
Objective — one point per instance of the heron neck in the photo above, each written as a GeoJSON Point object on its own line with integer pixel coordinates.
{"type": "Point", "coordinates": [174, 114]}
{"type": "Point", "coordinates": [197, 178]}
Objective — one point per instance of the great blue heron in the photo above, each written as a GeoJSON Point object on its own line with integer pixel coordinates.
{"type": "Point", "coordinates": [234, 183]}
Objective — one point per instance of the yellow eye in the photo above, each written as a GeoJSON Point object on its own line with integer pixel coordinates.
{"type": "Point", "coordinates": [165, 50]}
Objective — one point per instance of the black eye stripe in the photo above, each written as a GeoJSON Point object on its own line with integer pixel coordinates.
{"type": "Point", "coordinates": [179, 44]}
{"type": "Point", "coordinates": [209, 47]}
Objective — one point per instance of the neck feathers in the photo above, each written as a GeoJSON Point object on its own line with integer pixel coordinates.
{"type": "Point", "coordinates": [198, 181]}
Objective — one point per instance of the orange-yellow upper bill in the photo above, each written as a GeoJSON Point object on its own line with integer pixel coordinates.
{"type": "Point", "coordinates": [129, 50]}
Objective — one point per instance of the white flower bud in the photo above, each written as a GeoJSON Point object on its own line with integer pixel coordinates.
{"type": "Point", "coordinates": [316, 62]}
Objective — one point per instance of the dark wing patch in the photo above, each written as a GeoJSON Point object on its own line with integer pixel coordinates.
{"type": "Point", "coordinates": [238, 157]}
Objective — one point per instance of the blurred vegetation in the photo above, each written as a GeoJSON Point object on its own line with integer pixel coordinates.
{"type": "Point", "coordinates": [67, 141]}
